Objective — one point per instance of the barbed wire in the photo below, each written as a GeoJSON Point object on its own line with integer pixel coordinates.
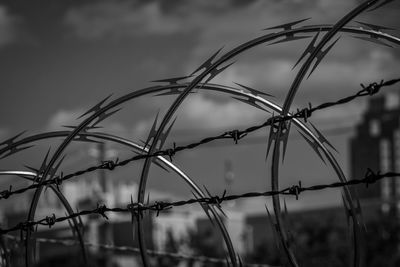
{"type": "Point", "coordinates": [138, 209]}
{"type": "Point", "coordinates": [235, 135]}
{"type": "Point", "coordinates": [153, 253]}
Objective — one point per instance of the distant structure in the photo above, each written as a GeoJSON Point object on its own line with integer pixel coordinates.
{"type": "Point", "coordinates": [376, 145]}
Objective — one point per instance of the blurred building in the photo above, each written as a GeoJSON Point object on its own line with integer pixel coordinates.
{"type": "Point", "coordinates": [376, 145]}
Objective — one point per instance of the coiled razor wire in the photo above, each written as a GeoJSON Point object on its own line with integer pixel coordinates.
{"type": "Point", "coordinates": [235, 135]}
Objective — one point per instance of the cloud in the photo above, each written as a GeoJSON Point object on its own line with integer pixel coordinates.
{"type": "Point", "coordinates": [120, 19]}
{"type": "Point", "coordinates": [8, 27]}
{"type": "Point", "coordinates": [63, 118]}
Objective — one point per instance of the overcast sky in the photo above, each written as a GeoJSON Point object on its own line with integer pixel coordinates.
{"type": "Point", "coordinates": [59, 58]}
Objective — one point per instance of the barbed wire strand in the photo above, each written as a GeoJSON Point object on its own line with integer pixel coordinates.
{"type": "Point", "coordinates": [138, 209]}
{"type": "Point", "coordinates": [153, 253]}
{"type": "Point", "coordinates": [236, 135]}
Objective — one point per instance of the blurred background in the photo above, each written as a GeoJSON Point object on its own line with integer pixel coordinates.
{"type": "Point", "coordinates": [59, 59]}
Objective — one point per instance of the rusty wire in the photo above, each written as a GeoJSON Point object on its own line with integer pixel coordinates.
{"type": "Point", "coordinates": [138, 209]}
{"type": "Point", "coordinates": [235, 135]}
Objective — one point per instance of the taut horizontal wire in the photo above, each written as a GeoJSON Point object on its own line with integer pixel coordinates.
{"type": "Point", "coordinates": [137, 209]}
{"type": "Point", "coordinates": [236, 135]}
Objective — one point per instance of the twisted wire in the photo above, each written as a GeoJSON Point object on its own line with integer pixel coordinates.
{"type": "Point", "coordinates": [138, 209]}
{"type": "Point", "coordinates": [235, 135]}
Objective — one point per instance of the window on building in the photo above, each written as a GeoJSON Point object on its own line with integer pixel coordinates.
{"type": "Point", "coordinates": [392, 101]}
{"type": "Point", "coordinates": [374, 128]}
{"type": "Point", "coordinates": [384, 149]}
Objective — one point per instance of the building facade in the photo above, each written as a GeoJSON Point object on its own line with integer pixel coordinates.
{"type": "Point", "coordinates": [376, 145]}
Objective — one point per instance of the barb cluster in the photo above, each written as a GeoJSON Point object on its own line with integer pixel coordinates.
{"type": "Point", "coordinates": [235, 135]}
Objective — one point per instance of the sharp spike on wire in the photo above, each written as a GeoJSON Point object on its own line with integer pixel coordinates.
{"type": "Point", "coordinates": [54, 170]}
{"type": "Point", "coordinates": [380, 5]}
{"type": "Point", "coordinates": [74, 234]}
{"type": "Point", "coordinates": [215, 72]}
{"type": "Point", "coordinates": [252, 90]}
{"type": "Point", "coordinates": [347, 209]}
{"type": "Point", "coordinates": [85, 129]}
{"type": "Point", "coordinates": [104, 116]}
{"type": "Point", "coordinates": [309, 49]}
{"type": "Point", "coordinates": [164, 136]}
{"type": "Point", "coordinates": [373, 40]}
{"type": "Point", "coordinates": [96, 107]}
{"type": "Point", "coordinates": [286, 26]}
{"type": "Point", "coordinates": [205, 208]}
{"type": "Point", "coordinates": [83, 138]}
{"type": "Point", "coordinates": [44, 162]}
{"type": "Point", "coordinates": [207, 63]}
{"type": "Point", "coordinates": [80, 223]}
{"type": "Point", "coordinates": [285, 207]}
{"type": "Point", "coordinates": [15, 150]}
{"type": "Point", "coordinates": [251, 102]}
{"type": "Point", "coordinates": [240, 260]}
{"type": "Point", "coordinates": [173, 80]}
{"type": "Point", "coordinates": [153, 131]}
{"type": "Point", "coordinates": [289, 38]}
{"type": "Point", "coordinates": [375, 27]}
{"type": "Point", "coordinates": [272, 136]}
{"type": "Point", "coordinates": [216, 204]}
{"type": "Point", "coordinates": [284, 137]}
{"type": "Point", "coordinates": [275, 228]}
{"type": "Point", "coordinates": [322, 138]}
{"type": "Point", "coordinates": [360, 214]}
{"type": "Point", "coordinates": [155, 161]}
{"type": "Point", "coordinates": [173, 91]}
{"type": "Point", "coordinates": [321, 55]}
{"type": "Point", "coordinates": [11, 140]}
{"type": "Point", "coordinates": [314, 146]}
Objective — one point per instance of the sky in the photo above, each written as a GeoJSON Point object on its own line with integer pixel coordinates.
{"type": "Point", "coordinates": [59, 58]}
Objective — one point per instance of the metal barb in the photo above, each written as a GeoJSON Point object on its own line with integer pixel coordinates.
{"type": "Point", "coordinates": [207, 63]}
{"type": "Point", "coordinates": [104, 116]}
{"type": "Point", "coordinates": [251, 102]}
{"type": "Point", "coordinates": [314, 146]}
{"type": "Point", "coordinates": [375, 27]}
{"type": "Point", "coordinates": [153, 131]}
{"type": "Point", "coordinates": [173, 80]}
{"type": "Point", "coordinates": [321, 55]}
{"type": "Point", "coordinates": [380, 5]}
{"type": "Point", "coordinates": [96, 107]}
{"type": "Point", "coordinates": [310, 48]}
{"type": "Point", "coordinates": [287, 26]}
{"type": "Point", "coordinates": [290, 37]}
{"type": "Point", "coordinates": [11, 140]}
{"type": "Point", "coordinates": [322, 138]}
{"type": "Point", "coordinates": [215, 72]}
{"type": "Point", "coordinates": [163, 136]}
{"type": "Point", "coordinates": [252, 90]}
{"type": "Point", "coordinates": [373, 39]}
{"type": "Point", "coordinates": [205, 208]}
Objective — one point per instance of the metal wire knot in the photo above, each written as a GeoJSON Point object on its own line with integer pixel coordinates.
{"type": "Point", "coordinates": [171, 152]}
{"type": "Point", "coordinates": [51, 220]}
{"type": "Point", "coordinates": [295, 190]}
{"type": "Point", "coordinates": [6, 193]}
{"type": "Point", "coordinates": [305, 113]}
{"type": "Point", "coordinates": [370, 177]}
{"type": "Point", "coordinates": [160, 205]}
{"type": "Point", "coordinates": [102, 209]}
{"type": "Point", "coordinates": [236, 135]}
{"type": "Point", "coordinates": [108, 164]}
{"type": "Point", "coordinates": [136, 209]}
